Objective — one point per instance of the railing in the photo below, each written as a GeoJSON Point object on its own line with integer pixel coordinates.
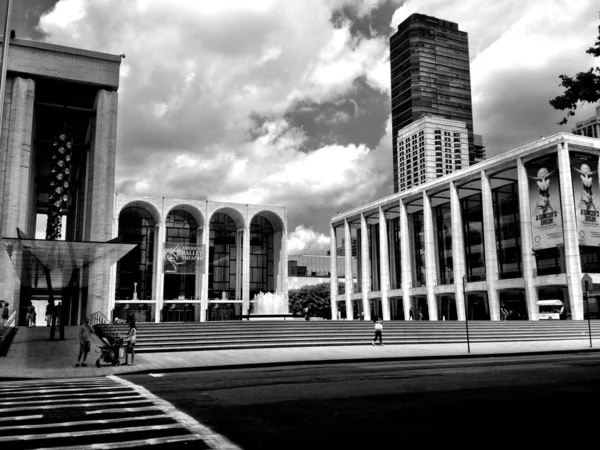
{"type": "Point", "coordinates": [6, 330]}
{"type": "Point", "coordinates": [103, 327]}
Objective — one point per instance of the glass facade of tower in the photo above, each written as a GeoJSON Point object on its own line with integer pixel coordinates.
{"type": "Point", "coordinates": [430, 76]}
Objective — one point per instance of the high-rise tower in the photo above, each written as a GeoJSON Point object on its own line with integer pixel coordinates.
{"type": "Point", "coordinates": [430, 77]}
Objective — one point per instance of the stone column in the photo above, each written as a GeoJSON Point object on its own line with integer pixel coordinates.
{"type": "Point", "coordinates": [572, 258]}
{"type": "Point", "coordinates": [489, 240]}
{"type": "Point", "coordinates": [159, 275]}
{"type": "Point", "coordinates": [458, 252]}
{"type": "Point", "coordinates": [333, 277]}
{"type": "Point", "coordinates": [246, 270]}
{"type": "Point", "coordinates": [365, 266]}
{"type": "Point", "coordinates": [205, 263]}
{"type": "Point", "coordinates": [349, 275]}
{"type": "Point", "coordinates": [17, 196]}
{"type": "Point", "coordinates": [527, 255]}
{"type": "Point", "coordinates": [430, 263]}
{"type": "Point", "coordinates": [384, 265]}
{"type": "Point", "coordinates": [239, 238]}
{"type": "Point", "coordinates": [406, 258]}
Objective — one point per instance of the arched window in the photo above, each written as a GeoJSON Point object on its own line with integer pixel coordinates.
{"type": "Point", "coordinates": [181, 228]}
{"type": "Point", "coordinates": [261, 256]}
{"type": "Point", "coordinates": [222, 257]}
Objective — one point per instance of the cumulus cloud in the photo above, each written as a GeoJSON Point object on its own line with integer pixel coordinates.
{"type": "Point", "coordinates": [305, 240]}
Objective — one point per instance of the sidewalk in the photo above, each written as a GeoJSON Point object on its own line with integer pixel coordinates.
{"type": "Point", "coordinates": [32, 355]}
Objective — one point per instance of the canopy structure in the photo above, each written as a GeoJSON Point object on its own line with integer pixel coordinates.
{"type": "Point", "coordinates": [52, 264]}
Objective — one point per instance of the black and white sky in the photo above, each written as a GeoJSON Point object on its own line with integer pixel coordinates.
{"type": "Point", "coordinates": [286, 102]}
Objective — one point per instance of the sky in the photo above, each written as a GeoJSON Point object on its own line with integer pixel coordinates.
{"type": "Point", "coordinates": [286, 102]}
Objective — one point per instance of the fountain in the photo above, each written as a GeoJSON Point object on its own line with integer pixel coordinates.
{"type": "Point", "coordinates": [268, 303]}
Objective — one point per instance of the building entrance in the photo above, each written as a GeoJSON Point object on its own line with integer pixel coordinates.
{"type": "Point", "coordinates": [446, 307]}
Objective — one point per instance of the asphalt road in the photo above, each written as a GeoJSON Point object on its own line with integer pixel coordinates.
{"type": "Point", "coordinates": [508, 402]}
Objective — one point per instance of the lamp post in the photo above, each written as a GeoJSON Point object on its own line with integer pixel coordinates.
{"type": "Point", "coordinates": [466, 311]}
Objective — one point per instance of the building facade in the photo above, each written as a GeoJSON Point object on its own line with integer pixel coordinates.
{"type": "Point", "coordinates": [589, 127]}
{"type": "Point", "coordinates": [238, 252]}
{"type": "Point", "coordinates": [57, 160]}
{"type": "Point", "coordinates": [509, 231]}
{"type": "Point", "coordinates": [430, 76]}
{"type": "Point", "coordinates": [430, 148]}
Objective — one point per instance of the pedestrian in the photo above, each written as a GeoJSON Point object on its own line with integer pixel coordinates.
{"type": "Point", "coordinates": [306, 315]}
{"type": "Point", "coordinates": [30, 315]}
{"type": "Point", "coordinates": [410, 314]}
{"type": "Point", "coordinates": [339, 314]}
{"type": "Point", "coordinates": [420, 313]}
{"type": "Point", "coordinates": [50, 310]}
{"type": "Point", "coordinates": [130, 339]}
{"type": "Point", "coordinates": [4, 313]}
{"type": "Point", "coordinates": [378, 331]}
{"type": "Point", "coordinates": [85, 341]}
{"type": "Point", "coordinates": [362, 315]}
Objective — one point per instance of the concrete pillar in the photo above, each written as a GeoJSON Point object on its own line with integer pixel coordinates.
{"type": "Point", "coordinates": [246, 270]}
{"type": "Point", "coordinates": [17, 198]}
{"type": "Point", "coordinates": [159, 275]}
{"type": "Point", "coordinates": [527, 256]}
{"type": "Point", "coordinates": [384, 265]}
{"type": "Point", "coordinates": [349, 289]}
{"type": "Point", "coordinates": [406, 258]}
{"type": "Point", "coordinates": [205, 263]}
{"type": "Point", "coordinates": [489, 240]}
{"type": "Point", "coordinates": [365, 266]}
{"type": "Point", "coordinates": [430, 262]}
{"type": "Point", "coordinates": [239, 239]}
{"type": "Point", "coordinates": [458, 252]}
{"type": "Point", "coordinates": [333, 277]}
{"type": "Point", "coordinates": [571, 241]}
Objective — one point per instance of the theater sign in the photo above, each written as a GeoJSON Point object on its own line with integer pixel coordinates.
{"type": "Point", "coordinates": [182, 259]}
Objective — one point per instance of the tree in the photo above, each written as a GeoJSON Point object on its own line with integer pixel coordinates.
{"type": "Point", "coordinates": [583, 87]}
{"type": "Point", "coordinates": [317, 298]}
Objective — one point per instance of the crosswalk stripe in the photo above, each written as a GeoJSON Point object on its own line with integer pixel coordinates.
{"type": "Point", "coordinates": [210, 437]}
{"type": "Point", "coordinates": [69, 424]}
{"type": "Point", "coordinates": [59, 400]}
{"type": "Point", "coordinates": [137, 443]}
{"type": "Point", "coordinates": [19, 407]}
{"type": "Point", "coordinates": [28, 437]}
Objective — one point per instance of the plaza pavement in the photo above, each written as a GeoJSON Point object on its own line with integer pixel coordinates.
{"type": "Point", "coordinates": [32, 355]}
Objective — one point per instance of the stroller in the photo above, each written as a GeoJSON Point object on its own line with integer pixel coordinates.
{"type": "Point", "coordinates": [110, 351]}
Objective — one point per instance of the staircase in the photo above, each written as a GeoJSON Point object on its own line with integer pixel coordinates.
{"type": "Point", "coordinates": [174, 337]}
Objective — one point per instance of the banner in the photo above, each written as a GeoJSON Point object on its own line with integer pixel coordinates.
{"type": "Point", "coordinates": [182, 259]}
{"type": "Point", "coordinates": [544, 199]}
{"type": "Point", "coordinates": [584, 173]}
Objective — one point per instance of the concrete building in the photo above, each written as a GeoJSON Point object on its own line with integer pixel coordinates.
{"type": "Point", "coordinates": [309, 270]}
{"type": "Point", "coordinates": [53, 93]}
{"type": "Point", "coordinates": [234, 252]}
{"type": "Point", "coordinates": [589, 127]}
{"type": "Point", "coordinates": [512, 230]}
{"type": "Point", "coordinates": [430, 75]}
{"type": "Point", "coordinates": [430, 148]}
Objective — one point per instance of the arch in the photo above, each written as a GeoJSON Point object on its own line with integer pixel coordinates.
{"type": "Point", "coordinates": [235, 215]}
{"type": "Point", "coordinates": [191, 209]}
{"type": "Point", "coordinates": [273, 218]}
{"type": "Point", "coordinates": [149, 207]}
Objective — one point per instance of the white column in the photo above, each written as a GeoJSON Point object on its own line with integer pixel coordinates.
{"type": "Point", "coordinates": [246, 270]}
{"type": "Point", "coordinates": [333, 277]}
{"type": "Point", "coordinates": [407, 259]}
{"type": "Point", "coordinates": [349, 288]}
{"type": "Point", "coordinates": [384, 265]}
{"type": "Point", "coordinates": [159, 239]}
{"type": "Point", "coordinates": [239, 238]}
{"type": "Point", "coordinates": [205, 263]}
{"type": "Point", "coordinates": [527, 257]}
{"type": "Point", "coordinates": [430, 263]}
{"type": "Point", "coordinates": [489, 240]}
{"type": "Point", "coordinates": [458, 252]}
{"type": "Point", "coordinates": [365, 266]}
{"type": "Point", "coordinates": [572, 259]}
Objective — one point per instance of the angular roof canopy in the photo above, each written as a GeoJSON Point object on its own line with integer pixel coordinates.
{"type": "Point", "coordinates": [30, 256]}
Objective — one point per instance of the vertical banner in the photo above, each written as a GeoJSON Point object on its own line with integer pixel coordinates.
{"type": "Point", "coordinates": [584, 173]}
{"type": "Point", "coordinates": [544, 199]}
{"type": "Point", "coordinates": [182, 258]}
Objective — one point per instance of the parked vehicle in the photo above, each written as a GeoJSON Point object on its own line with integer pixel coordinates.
{"type": "Point", "coordinates": [550, 309]}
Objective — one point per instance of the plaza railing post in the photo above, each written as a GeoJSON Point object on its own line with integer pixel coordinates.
{"type": "Point", "coordinates": [466, 311]}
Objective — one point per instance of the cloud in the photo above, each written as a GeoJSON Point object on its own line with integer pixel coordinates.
{"type": "Point", "coordinates": [305, 240]}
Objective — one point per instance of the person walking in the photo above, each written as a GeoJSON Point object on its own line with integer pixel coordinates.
{"type": "Point", "coordinates": [410, 314]}
{"type": "Point", "coordinates": [30, 315]}
{"type": "Point", "coordinates": [4, 313]}
{"type": "Point", "coordinates": [378, 331]}
{"type": "Point", "coordinates": [50, 311]}
{"type": "Point", "coordinates": [85, 342]}
{"type": "Point", "coordinates": [130, 339]}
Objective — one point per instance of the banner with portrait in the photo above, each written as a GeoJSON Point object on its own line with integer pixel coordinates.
{"type": "Point", "coordinates": [544, 200]}
{"type": "Point", "coordinates": [182, 259]}
{"type": "Point", "coordinates": [584, 173]}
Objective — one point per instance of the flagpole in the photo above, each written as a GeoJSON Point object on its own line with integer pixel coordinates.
{"type": "Point", "coordinates": [4, 61]}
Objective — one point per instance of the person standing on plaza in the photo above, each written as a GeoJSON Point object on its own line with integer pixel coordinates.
{"type": "Point", "coordinates": [85, 342]}
{"type": "Point", "coordinates": [30, 315]}
{"type": "Point", "coordinates": [130, 339]}
{"type": "Point", "coordinates": [4, 313]}
{"type": "Point", "coordinates": [378, 331]}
